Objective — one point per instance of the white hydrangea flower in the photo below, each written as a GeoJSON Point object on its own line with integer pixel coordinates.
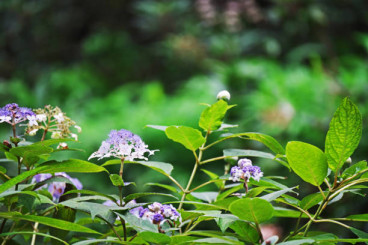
{"type": "Point", "coordinates": [32, 120]}
{"type": "Point", "coordinates": [79, 129]}
{"type": "Point", "coordinates": [41, 117]}
{"type": "Point", "coordinates": [59, 117]}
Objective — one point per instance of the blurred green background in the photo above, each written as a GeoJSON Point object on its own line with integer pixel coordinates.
{"type": "Point", "coordinates": [125, 64]}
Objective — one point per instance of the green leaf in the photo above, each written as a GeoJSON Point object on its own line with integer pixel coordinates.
{"type": "Point", "coordinates": [88, 192]}
{"type": "Point", "coordinates": [267, 140]}
{"type": "Point", "coordinates": [158, 127]}
{"type": "Point", "coordinates": [34, 150]}
{"type": "Point", "coordinates": [156, 238]}
{"type": "Point", "coordinates": [311, 200]}
{"type": "Point", "coordinates": [161, 167]}
{"type": "Point", "coordinates": [343, 135]}
{"type": "Point", "coordinates": [167, 187]}
{"type": "Point", "coordinates": [140, 225]}
{"type": "Point", "coordinates": [116, 180]}
{"type": "Point", "coordinates": [31, 233]}
{"type": "Point", "coordinates": [52, 142]}
{"type": "Point", "coordinates": [307, 161]}
{"type": "Point", "coordinates": [71, 165]}
{"type": "Point", "coordinates": [213, 176]}
{"type": "Point", "coordinates": [247, 153]}
{"type": "Point", "coordinates": [256, 209]}
{"type": "Point", "coordinates": [298, 242]}
{"type": "Point", "coordinates": [359, 233]}
{"type": "Point", "coordinates": [354, 169]}
{"type": "Point", "coordinates": [95, 209]}
{"type": "Point", "coordinates": [190, 138]}
{"type": "Point", "coordinates": [56, 223]}
{"type": "Point", "coordinates": [246, 231]}
{"type": "Point", "coordinates": [274, 195]}
{"type": "Point", "coordinates": [287, 213]}
{"type": "Point", "coordinates": [143, 194]}
{"type": "Point", "coordinates": [358, 217]}
{"type": "Point", "coordinates": [212, 117]}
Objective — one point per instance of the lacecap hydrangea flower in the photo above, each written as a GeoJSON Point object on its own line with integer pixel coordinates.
{"type": "Point", "coordinates": [157, 213]}
{"type": "Point", "coordinates": [122, 144]}
{"type": "Point", "coordinates": [245, 170]}
{"type": "Point", "coordinates": [56, 189]}
{"type": "Point", "coordinates": [13, 114]}
{"type": "Point", "coordinates": [53, 119]}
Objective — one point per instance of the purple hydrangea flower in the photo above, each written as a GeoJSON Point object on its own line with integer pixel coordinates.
{"type": "Point", "coordinates": [12, 112]}
{"type": "Point", "coordinates": [56, 189]}
{"type": "Point", "coordinates": [245, 171]}
{"type": "Point", "coordinates": [122, 144]}
{"type": "Point", "coordinates": [157, 218]}
{"type": "Point", "coordinates": [157, 213]}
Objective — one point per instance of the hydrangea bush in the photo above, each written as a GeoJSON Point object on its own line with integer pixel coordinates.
{"type": "Point", "coordinates": [41, 203]}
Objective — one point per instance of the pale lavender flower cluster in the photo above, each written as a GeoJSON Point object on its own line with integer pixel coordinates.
{"type": "Point", "coordinates": [157, 213]}
{"type": "Point", "coordinates": [245, 171]}
{"type": "Point", "coordinates": [13, 114]}
{"type": "Point", "coordinates": [122, 144]}
{"type": "Point", "coordinates": [56, 189]}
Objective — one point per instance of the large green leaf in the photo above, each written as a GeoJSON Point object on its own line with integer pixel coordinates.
{"type": "Point", "coordinates": [33, 149]}
{"type": "Point", "coordinates": [276, 194]}
{"type": "Point", "coordinates": [343, 135]}
{"type": "Point", "coordinates": [33, 233]}
{"type": "Point", "coordinates": [211, 118]}
{"type": "Point", "coordinates": [95, 209]}
{"type": "Point", "coordinates": [358, 217]}
{"type": "Point", "coordinates": [161, 167]}
{"type": "Point", "coordinates": [253, 153]}
{"type": "Point", "coordinates": [360, 234]}
{"type": "Point", "coordinates": [246, 231]}
{"type": "Point", "coordinates": [311, 200]}
{"type": "Point", "coordinates": [116, 180]}
{"type": "Point", "coordinates": [143, 194]}
{"type": "Point", "coordinates": [288, 213]}
{"type": "Point", "coordinates": [298, 242]}
{"type": "Point", "coordinates": [71, 165]}
{"type": "Point", "coordinates": [153, 237]}
{"type": "Point", "coordinates": [56, 223]}
{"type": "Point", "coordinates": [307, 161]}
{"type": "Point", "coordinates": [190, 138]}
{"type": "Point", "coordinates": [252, 209]}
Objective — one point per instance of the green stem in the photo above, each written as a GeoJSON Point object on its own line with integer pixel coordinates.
{"type": "Point", "coordinates": [214, 159]}
{"type": "Point", "coordinates": [121, 198]}
{"type": "Point", "coordinates": [259, 231]}
{"type": "Point", "coordinates": [197, 163]}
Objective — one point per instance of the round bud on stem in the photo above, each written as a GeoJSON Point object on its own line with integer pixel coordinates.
{"type": "Point", "coordinates": [223, 95]}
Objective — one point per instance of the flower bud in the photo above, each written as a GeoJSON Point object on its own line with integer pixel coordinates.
{"type": "Point", "coordinates": [223, 95]}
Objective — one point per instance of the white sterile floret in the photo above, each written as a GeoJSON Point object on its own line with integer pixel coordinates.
{"type": "Point", "coordinates": [79, 129]}
{"type": "Point", "coordinates": [155, 207]}
{"type": "Point", "coordinates": [32, 120]}
{"type": "Point", "coordinates": [59, 117]}
{"type": "Point", "coordinates": [41, 117]}
{"type": "Point", "coordinates": [33, 132]}
{"type": "Point", "coordinates": [5, 119]}
{"type": "Point", "coordinates": [223, 95]}
{"type": "Point", "coordinates": [74, 136]}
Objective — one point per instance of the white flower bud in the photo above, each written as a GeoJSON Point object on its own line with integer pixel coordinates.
{"type": "Point", "coordinates": [74, 136]}
{"type": "Point", "coordinates": [223, 95]}
{"type": "Point", "coordinates": [62, 145]}
{"type": "Point", "coordinates": [349, 161]}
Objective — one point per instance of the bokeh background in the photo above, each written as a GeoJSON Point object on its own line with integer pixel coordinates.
{"type": "Point", "coordinates": [125, 64]}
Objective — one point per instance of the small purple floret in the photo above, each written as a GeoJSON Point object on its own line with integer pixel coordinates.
{"type": "Point", "coordinates": [245, 171]}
